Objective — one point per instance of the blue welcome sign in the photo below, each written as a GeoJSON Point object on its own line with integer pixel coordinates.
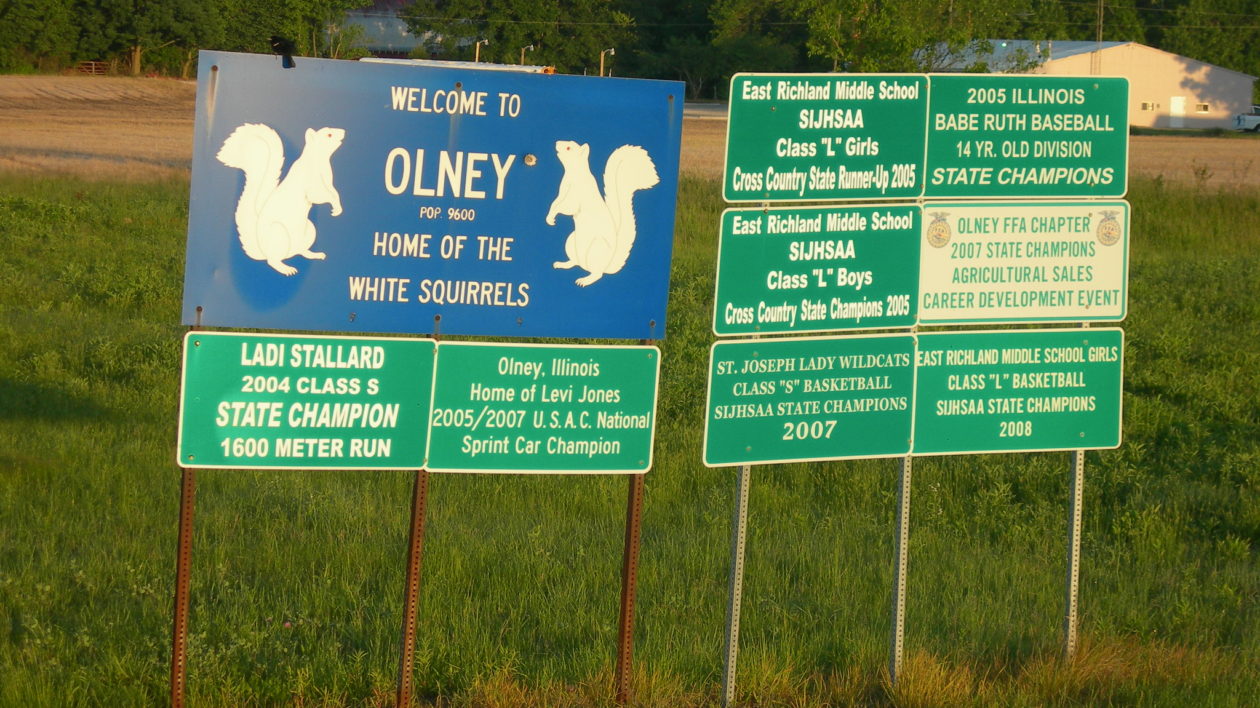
{"type": "Point", "coordinates": [418, 198]}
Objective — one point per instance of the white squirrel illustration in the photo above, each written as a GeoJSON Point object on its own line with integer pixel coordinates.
{"type": "Point", "coordinates": [272, 216]}
{"type": "Point", "coordinates": [603, 225]}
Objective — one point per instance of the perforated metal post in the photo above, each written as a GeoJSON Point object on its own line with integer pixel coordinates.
{"type": "Point", "coordinates": [183, 571]}
{"type": "Point", "coordinates": [739, 535]}
{"type": "Point", "coordinates": [1074, 554]}
{"type": "Point", "coordinates": [629, 581]}
{"type": "Point", "coordinates": [419, 507]}
{"type": "Point", "coordinates": [1072, 589]}
{"type": "Point", "coordinates": [899, 571]}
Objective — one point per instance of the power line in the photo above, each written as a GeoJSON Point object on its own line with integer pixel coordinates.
{"type": "Point", "coordinates": [567, 23]}
{"type": "Point", "coordinates": [633, 23]}
{"type": "Point", "coordinates": [1183, 8]}
{"type": "Point", "coordinates": [1146, 26]}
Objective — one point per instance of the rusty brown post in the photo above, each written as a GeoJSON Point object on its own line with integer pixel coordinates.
{"type": "Point", "coordinates": [183, 574]}
{"type": "Point", "coordinates": [419, 505]}
{"type": "Point", "coordinates": [183, 565]}
{"type": "Point", "coordinates": [629, 581]}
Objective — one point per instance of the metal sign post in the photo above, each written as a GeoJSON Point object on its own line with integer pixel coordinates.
{"type": "Point", "coordinates": [415, 556]}
{"type": "Point", "coordinates": [1074, 554]}
{"type": "Point", "coordinates": [183, 572]}
{"type": "Point", "coordinates": [629, 582]}
{"type": "Point", "coordinates": [899, 571]}
{"type": "Point", "coordinates": [739, 535]}
{"type": "Point", "coordinates": [1070, 619]}
{"type": "Point", "coordinates": [183, 569]}
{"type": "Point", "coordinates": [415, 551]}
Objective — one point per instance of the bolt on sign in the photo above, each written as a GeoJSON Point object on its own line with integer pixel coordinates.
{"type": "Point", "coordinates": [825, 137]}
{"type": "Point", "coordinates": [1018, 391]}
{"type": "Point", "coordinates": [348, 196]}
{"type": "Point", "coordinates": [1032, 262]}
{"type": "Point", "coordinates": [301, 402]}
{"type": "Point", "coordinates": [834, 398]}
{"type": "Point", "coordinates": [838, 137]}
{"type": "Point", "coordinates": [995, 135]}
{"type": "Point", "coordinates": [809, 398]}
{"type": "Point", "coordinates": [544, 408]}
{"type": "Point", "coordinates": [816, 269]}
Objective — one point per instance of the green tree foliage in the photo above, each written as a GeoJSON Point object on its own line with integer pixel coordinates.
{"type": "Point", "coordinates": [164, 35]}
{"type": "Point", "coordinates": [314, 26]}
{"type": "Point", "coordinates": [698, 41]}
{"type": "Point", "coordinates": [1121, 21]}
{"type": "Point", "coordinates": [706, 66]}
{"type": "Point", "coordinates": [36, 34]}
{"type": "Point", "coordinates": [680, 29]}
{"type": "Point", "coordinates": [1223, 32]}
{"type": "Point", "coordinates": [691, 59]}
{"type": "Point", "coordinates": [877, 35]}
{"type": "Point", "coordinates": [566, 34]}
{"type": "Point", "coordinates": [771, 21]}
{"type": "Point", "coordinates": [150, 34]}
{"type": "Point", "coordinates": [132, 27]}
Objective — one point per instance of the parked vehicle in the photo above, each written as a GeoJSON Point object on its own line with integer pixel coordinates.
{"type": "Point", "coordinates": [1248, 121]}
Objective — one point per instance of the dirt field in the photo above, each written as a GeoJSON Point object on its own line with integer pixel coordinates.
{"type": "Point", "coordinates": [122, 128]}
{"type": "Point", "coordinates": [96, 126]}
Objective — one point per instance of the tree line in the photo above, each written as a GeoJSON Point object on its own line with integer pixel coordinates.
{"type": "Point", "coordinates": [700, 42]}
{"type": "Point", "coordinates": [164, 36]}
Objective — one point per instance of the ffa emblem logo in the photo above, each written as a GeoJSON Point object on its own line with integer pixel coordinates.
{"type": "Point", "coordinates": [1108, 231]}
{"type": "Point", "coordinates": [938, 231]}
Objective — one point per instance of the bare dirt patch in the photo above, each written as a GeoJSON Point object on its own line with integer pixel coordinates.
{"type": "Point", "coordinates": [1223, 162]}
{"type": "Point", "coordinates": [96, 127]}
{"type": "Point", "coordinates": [125, 128]}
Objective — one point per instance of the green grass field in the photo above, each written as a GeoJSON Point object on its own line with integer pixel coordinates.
{"type": "Point", "coordinates": [298, 576]}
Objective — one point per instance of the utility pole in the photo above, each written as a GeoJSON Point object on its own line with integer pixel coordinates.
{"type": "Point", "coordinates": [1095, 60]}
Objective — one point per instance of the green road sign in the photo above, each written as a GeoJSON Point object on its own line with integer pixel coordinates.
{"type": "Point", "coordinates": [543, 408]}
{"type": "Point", "coordinates": [1027, 136]}
{"type": "Point", "coordinates": [1031, 262]}
{"type": "Point", "coordinates": [831, 398]}
{"type": "Point", "coordinates": [304, 402]}
{"type": "Point", "coordinates": [824, 398]}
{"type": "Point", "coordinates": [825, 137]}
{"type": "Point", "coordinates": [1018, 391]}
{"type": "Point", "coordinates": [816, 269]}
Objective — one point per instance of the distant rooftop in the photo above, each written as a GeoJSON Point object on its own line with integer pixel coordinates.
{"type": "Point", "coordinates": [384, 33]}
{"type": "Point", "coordinates": [1015, 54]}
{"type": "Point", "coordinates": [1021, 55]}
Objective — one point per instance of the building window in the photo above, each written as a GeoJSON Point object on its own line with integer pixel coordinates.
{"type": "Point", "coordinates": [1201, 108]}
{"type": "Point", "coordinates": [1148, 106]}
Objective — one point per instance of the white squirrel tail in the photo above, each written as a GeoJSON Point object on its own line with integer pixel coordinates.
{"type": "Point", "coordinates": [256, 150]}
{"type": "Point", "coordinates": [628, 170]}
